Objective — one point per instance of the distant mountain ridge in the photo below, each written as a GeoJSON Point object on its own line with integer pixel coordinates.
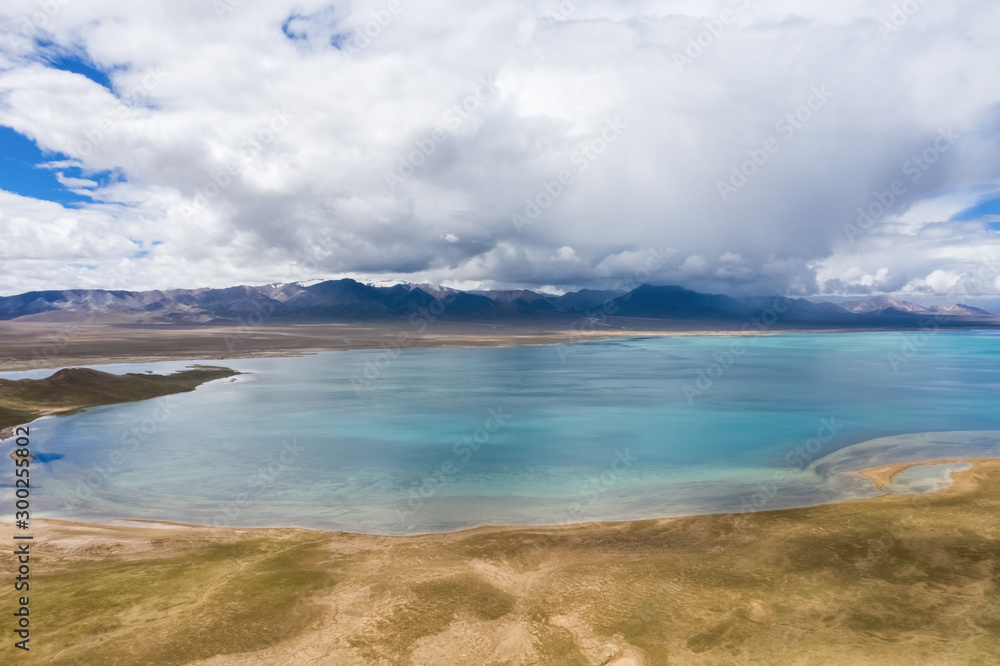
{"type": "Point", "coordinates": [350, 300]}
{"type": "Point", "coordinates": [881, 304]}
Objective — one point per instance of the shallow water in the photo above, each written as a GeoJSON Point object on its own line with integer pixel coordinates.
{"type": "Point", "coordinates": [413, 442]}
{"type": "Point", "coordinates": [926, 478]}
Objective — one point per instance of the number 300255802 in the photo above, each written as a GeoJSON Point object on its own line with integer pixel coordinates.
{"type": "Point", "coordinates": [22, 459]}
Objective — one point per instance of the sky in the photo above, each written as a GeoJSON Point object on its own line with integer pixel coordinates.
{"type": "Point", "coordinates": [826, 149]}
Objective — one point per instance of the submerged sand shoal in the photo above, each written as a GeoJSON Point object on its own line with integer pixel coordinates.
{"type": "Point", "coordinates": [883, 476]}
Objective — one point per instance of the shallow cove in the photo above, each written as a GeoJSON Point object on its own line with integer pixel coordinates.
{"type": "Point", "coordinates": [441, 439]}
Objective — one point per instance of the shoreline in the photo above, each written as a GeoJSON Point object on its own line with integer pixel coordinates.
{"type": "Point", "coordinates": [886, 579]}
{"type": "Point", "coordinates": [881, 476]}
{"type": "Point", "coordinates": [36, 346]}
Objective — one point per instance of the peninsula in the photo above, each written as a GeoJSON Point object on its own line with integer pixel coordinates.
{"type": "Point", "coordinates": [71, 390]}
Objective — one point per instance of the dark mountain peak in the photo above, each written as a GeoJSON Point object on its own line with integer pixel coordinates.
{"type": "Point", "coordinates": [405, 297]}
{"type": "Point", "coordinates": [662, 289]}
{"type": "Point", "coordinates": [463, 301]}
{"type": "Point", "coordinates": [585, 299]}
{"type": "Point", "coordinates": [673, 301]}
{"type": "Point", "coordinates": [510, 295]}
{"type": "Point", "coordinates": [342, 287]}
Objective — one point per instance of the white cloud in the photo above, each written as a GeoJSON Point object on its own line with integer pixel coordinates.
{"type": "Point", "coordinates": [195, 94]}
{"type": "Point", "coordinates": [695, 265]}
{"type": "Point", "coordinates": [566, 253]}
{"type": "Point", "coordinates": [942, 281]}
{"type": "Point", "coordinates": [76, 183]}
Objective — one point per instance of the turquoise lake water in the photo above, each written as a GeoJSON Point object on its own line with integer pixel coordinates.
{"type": "Point", "coordinates": [441, 439]}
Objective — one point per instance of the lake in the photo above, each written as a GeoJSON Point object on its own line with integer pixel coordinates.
{"type": "Point", "coordinates": [425, 440]}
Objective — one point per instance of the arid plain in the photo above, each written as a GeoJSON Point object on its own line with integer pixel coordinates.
{"type": "Point", "coordinates": [30, 345]}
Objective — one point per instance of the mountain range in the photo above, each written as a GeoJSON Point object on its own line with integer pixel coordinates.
{"type": "Point", "coordinates": [882, 304]}
{"type": "Point", "coordinates": [350, 300]}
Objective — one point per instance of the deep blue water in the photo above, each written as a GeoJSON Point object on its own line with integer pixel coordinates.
{"type": "Point", "coordinates": [610, 430]}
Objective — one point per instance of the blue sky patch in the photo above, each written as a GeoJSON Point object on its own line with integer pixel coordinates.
{"type": "Point", "coordinates": [74, 63]}
{"type": "Point", "coordinates": [296, 28]}
{"type": "Point", "coordinates": [290, 31]}
{"type": "Point", "coordinates": [141, 252]}
{"type": "Point", "coordinates": [985, 208]}
{"type": "Point", "coordinates": [22, 171]}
